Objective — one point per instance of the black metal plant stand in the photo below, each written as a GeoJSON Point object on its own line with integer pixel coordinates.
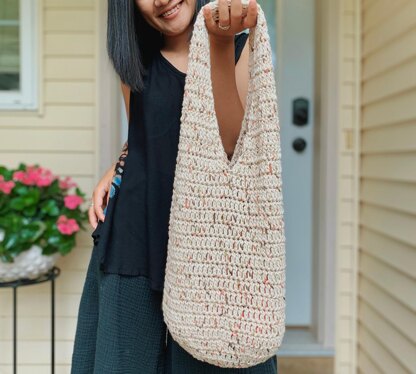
{"type": "Point", "coordinates": [49, 276]}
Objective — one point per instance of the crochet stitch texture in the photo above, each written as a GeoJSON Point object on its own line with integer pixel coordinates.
{"type": "Point", "coordinates": [224, 290]}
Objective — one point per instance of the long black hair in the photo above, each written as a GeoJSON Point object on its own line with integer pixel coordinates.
{"type": "Point", "coordinates": [132, 42]}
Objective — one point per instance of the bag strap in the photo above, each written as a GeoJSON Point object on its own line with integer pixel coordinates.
{"type": "Point", "coordinates": [198, 98]}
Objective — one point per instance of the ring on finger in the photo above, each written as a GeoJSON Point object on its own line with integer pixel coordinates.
{"type": "Point", "coordinates": [225, 28]}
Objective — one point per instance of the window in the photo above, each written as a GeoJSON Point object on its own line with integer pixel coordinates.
{"type": "Point", "coordinates": [18, 60]}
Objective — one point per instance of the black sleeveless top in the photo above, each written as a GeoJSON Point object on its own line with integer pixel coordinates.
{"type": "Point", "coordinates": [133, 238]}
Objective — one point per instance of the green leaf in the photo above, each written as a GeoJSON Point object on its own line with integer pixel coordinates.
{"type": "Point", "coordinates": [33, 231]}
{"type": "Point", "coordinates": [30, 211]}
{"type": "Point", "coordinates": [32, 197]}
{"type": "Point", "coordinates": [66, 247]}
{"type": "Point", "coordinates": [29, 200]}
{"type": "Point", "coordinates": [49, 250]}
{"type": "Point", "coordinates": [18, 203]}
{"type": "Point", "coordinates": [3, 170]}
{"type": "Point", "coordinates": [6, 173]}
{"type": "Point", "coordinates": [79, 192]}
{"type": "Point", "coordinates": [50, 208]}
{"type": "Point", "coordinates": [21, 189]}
{"type": "Point", "coordinates": [10, 240]}
{"type": "Point", "coordinates": [55, 239]}
{"type": "Point", "coordinates": [4, 205]}
{"type": "Point", "coordinates": [54, 188]}
{"type": "Point", "coordinates": [12, 222]}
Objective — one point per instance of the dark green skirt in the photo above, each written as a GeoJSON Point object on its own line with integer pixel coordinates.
{"type": "Point", "coordinates": [120, 330]}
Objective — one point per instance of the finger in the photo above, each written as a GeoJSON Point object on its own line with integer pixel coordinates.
{"type": "Point", "coordinates": [224, 13]}
{"type": "Point", "coordinates": [251, 19]}
{"type": "Point", "coordinates": [236, 12]}
{"type": "Point", "coordinates": [92, 218]}
{"type": "Point", "coordinates": [209, 19]}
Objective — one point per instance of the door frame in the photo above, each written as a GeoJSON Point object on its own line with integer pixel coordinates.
{"type": "Point", "coordinates": [328, 95]}
{"type": "Point", "coordinates": [320, 340]}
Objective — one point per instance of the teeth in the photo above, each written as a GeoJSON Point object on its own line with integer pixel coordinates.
{"type": "Point", "coordinates": [171, 11]}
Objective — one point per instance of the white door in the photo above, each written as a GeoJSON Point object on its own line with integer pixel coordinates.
{"type": "Point", "coordinates": [295, 77]}
{"type": "Point", "coordinates": [291, 29]}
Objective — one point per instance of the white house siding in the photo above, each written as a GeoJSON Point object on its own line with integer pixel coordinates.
{"type": "Point", "coordinates": [387, 245]}
{"type": "Point", "coordinates": [348, 188]}
{"type": "Point", "coordinates": [60, 136]}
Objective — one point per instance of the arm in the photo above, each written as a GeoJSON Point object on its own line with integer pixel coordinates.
{"type": "Point", "coordinates": [229, 81]}
{"type": "Point", "coordinates": [229, 85]}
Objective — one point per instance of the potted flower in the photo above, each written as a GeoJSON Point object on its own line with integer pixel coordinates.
{"type": "Point", "coordinates": [40, 215]}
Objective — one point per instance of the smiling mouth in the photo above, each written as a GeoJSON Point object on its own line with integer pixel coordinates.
{"type": "Point", "coordinates": [171, 11]}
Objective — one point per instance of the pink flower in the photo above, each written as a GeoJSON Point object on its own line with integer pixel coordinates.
{"type": "Point", "coordinates": [44, 181]}
{"type": "Point", "coordinates": [22, 177]}
{"type": "Point", "coordinates": [67, 183]}
{"type": "Point", "coordinates": [72, 201]}
{"type": "Point", "coordinates": [33, 175]}
{"type": "Point", "coordinates": [67, 226]}
{"type": "Point", "coordinates": [6, 186]}
{"type": "Point", "coordinates": [42, 177]}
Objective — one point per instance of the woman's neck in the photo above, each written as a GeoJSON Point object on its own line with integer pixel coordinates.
{"type": "Point", "coordinates": [177, 43]}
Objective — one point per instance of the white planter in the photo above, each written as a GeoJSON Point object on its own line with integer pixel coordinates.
{"type": "Point", "coordinates": [28, 264]}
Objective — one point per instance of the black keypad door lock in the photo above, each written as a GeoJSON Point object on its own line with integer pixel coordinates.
{"type": "Point", "coordinates": [300, 111]}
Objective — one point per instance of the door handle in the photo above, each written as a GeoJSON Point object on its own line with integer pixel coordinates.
{"type": "Point", "coordinates": [300, 111]}
{"type": "Point", "coordinates": [299, 145]}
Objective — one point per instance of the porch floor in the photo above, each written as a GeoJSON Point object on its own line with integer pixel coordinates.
{"type": "Point", "coordinates": [305, 365]}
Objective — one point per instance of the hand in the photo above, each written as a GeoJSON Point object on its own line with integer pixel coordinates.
{"type": "Point", "coordinates": [232, 16]}
{"type": "Point", "coordinates": [100, 194]}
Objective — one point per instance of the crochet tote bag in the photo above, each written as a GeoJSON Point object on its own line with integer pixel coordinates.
{"type": "Point", "coordinates": [224, 290]}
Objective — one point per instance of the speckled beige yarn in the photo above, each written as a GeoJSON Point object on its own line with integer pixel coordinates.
{"type": "Point", "coordinates": [224, 291]}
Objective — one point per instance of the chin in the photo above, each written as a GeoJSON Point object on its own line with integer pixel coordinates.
{"type": "Point", "coordinates": [173, 31]}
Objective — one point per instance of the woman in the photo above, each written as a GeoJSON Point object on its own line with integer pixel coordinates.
{"type": "Point", "coordinates": [120, 326]}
